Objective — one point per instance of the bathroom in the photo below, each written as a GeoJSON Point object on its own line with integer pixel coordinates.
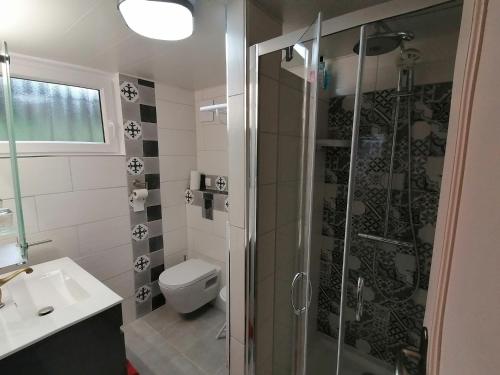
{"type": "Point", "coordinates": [78, 193]}
{"type": "Point", "coordinates": [249, 187]}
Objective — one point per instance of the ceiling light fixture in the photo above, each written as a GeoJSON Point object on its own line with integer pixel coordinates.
{"type": "Point", "coordinates": [158, 19]}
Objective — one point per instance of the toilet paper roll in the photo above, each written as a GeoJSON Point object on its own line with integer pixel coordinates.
{"type": "Point", "coordinates": [139, 199]}
{"type": "Point", "coordinates": [194, 183]}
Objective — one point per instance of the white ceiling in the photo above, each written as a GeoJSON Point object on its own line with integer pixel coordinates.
{"type": "Point", "coordinates": [91, 33]}
{"type": "Point", "coordinates": [296, 14]}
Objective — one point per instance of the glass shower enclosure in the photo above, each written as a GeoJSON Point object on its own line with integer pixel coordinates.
{"type": "Point", "coordinates": [348, 125]}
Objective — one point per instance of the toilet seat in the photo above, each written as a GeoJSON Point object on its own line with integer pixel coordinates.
{"type": "Point", "coordinates": [186, 273]}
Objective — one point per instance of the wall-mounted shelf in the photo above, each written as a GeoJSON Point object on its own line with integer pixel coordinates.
{"type": "Point", "coordinates": [217, 108]}
{"type": "Point", "coordinates": [333, 143]}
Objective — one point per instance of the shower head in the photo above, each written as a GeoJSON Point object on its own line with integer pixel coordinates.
{"type": "Point", "coordinates": [380, 43]}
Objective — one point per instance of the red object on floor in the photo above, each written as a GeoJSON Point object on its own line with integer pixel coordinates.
{"type": "Point", "coordinates": [131, 370]}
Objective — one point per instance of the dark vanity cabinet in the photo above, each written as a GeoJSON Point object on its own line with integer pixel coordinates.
{"type": "Point", "coordinates": [94, 346]}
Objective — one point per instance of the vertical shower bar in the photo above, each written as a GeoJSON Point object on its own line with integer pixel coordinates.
{"type": "Point", "coordinates": [9, 119]}
{"type": "Point", "coordinates": [393, 152]}
{"type": "Point", "coordinates": [350, 192]}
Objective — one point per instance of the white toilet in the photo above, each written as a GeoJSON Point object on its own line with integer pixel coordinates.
{"type": "Point", "coordinates": [190, 285]}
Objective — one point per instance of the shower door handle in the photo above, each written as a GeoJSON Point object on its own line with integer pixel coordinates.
{"type": "Point", "coordinates": [359, 298]}
{"type": "Point", "coordinates": [298, 276]}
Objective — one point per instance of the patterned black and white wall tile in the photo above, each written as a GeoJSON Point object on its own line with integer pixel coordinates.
{"type": "Point", "coordinates": [142, 165]}
{"type": "Point", "coordinates": [217, 183]}
{"type": "Point", "coordinates": [391, 319]}
{"type": "Point", "coordinates": [217, 186]}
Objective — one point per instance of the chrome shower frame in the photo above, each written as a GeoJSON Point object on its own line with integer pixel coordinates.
{"type": "Point", "coordinates": [348, 21]}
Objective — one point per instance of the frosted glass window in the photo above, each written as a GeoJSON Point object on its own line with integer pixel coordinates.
{"type": "Point", "coordinates": [45, 111]}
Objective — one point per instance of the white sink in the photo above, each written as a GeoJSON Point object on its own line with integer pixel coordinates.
{"type": "Point", "coordinates": [55, 289]}
{"type": "Point", "coordinates": [72, 292]}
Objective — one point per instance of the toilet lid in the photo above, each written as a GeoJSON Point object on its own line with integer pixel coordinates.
{"type": "Point", "coordinates": [186, 273]}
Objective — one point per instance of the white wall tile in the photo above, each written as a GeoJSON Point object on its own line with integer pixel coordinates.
{"type": "Point", "coordinates": [237, 289]}
{"type": "Point", "coordinates": [176, 240]}
{"type": "Point", "coordinates": [94, 172]}
{"type": "Point", "coordinates": [108, 263]}
{"type": "Point", "coordinates": [207, 244]}
{"type": "Point", "coordinates": [194, 218]}
{"type": "Point", "coordinates": [66, 209]}
{"type": "Point", "coordinates": [212, 137]}
{"type": "Point", "coordinates": [215, 227]}
{"type": "Point", "coordinates": [29, 211]}
{"type": "Point", "coordinates": [174, 94]}
{"type": "Point", "coordinates": [128, 310]}
{"type": "Point", "coordinates": [122, 284]}
{"type": "Point", "coordinates": [176, 142]}
{"type": "Point", "coordinates": [237, 350]}
{"type": "Point", "coordinates": [172, 192]}
{"type": "Point", "coordinates": [38, 175]}
{"type": "Point", "coordinates": [104, 234]}
{"type": "Point", "coordinates": [220, 223]}
{"type": "Point", "coordinates": [64, 244]}
{"type": "Point", "coordinates": [211, 92]}
{"type": "Point", "coordinates": [237, 164]}
{"type": "Point", "coordinates": [174, 168]}
{"type": "Point", "coordinates": [174, 217]}
{"type": "Point", "coordinates": [175, 116]}
{"type": "Point", "coordinates": [213, 162]}
{"type": "Point", "coordinates": [235, 47]}
{"type": "Point", "coordinates": [172, 259]}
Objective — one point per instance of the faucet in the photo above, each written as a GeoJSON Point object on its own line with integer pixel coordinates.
{"type": "Point", "coordinates": [6, 279]}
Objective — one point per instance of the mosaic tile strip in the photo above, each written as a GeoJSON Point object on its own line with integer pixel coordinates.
{"type": "Point", "coordinates": [142, 164]}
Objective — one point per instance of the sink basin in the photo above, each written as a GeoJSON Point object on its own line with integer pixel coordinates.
{"type": "Point", "coordinates": [55, 288]}
{"type": "Point", "coordinates": [62, 284]}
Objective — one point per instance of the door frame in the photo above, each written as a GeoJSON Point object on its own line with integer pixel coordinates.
{"type": "Point", "coordinates": [464, 84]}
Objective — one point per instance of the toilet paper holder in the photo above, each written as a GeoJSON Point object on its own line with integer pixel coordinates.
{"type": "Point", "coordinates": [140, 185]}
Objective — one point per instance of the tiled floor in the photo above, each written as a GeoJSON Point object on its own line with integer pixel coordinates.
{"type": "Point", "coordinates": [166, 343]}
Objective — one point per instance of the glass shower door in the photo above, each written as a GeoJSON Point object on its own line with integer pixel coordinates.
{"type": "Point", "coordinates": [11, 251]}
{"type": "Point", "coordinates": [283, 142]}
{"type": "Point", "coordinates": [397, 155]}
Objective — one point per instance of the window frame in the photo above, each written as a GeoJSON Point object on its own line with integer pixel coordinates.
{"type": "Point", "coordinates": [36, 69]}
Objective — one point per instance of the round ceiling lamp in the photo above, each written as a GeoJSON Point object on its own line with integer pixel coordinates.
{"type": "Point", "coordinates": [158, 19]}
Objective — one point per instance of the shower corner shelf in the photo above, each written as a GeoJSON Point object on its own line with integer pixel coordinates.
{"type": "Point", "coordinates": [333, 143]}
